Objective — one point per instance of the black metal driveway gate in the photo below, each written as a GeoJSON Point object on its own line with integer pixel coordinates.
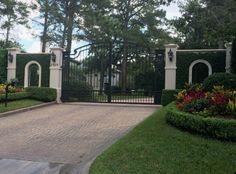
{"type": "Point", "coordinates": [113, 73]}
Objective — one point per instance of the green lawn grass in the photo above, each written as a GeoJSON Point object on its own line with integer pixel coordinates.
{"type": "Point", "coordinates": [154, 147]}
{"type": "Point", "coordinates": [13, 105]}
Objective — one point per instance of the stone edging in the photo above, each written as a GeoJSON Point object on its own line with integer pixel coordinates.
{"type": "Point", "coordinates": [5, 114]}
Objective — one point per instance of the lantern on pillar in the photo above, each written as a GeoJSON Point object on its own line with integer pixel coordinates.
{"type": "Point", "coordinates": [171, 55]}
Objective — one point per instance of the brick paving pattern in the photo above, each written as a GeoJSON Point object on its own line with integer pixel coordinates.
{"type": "Point", "coordinates": [66, 133]}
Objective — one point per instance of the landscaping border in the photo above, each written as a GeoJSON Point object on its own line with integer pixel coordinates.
{"type": "Point", "coordinates": [5, 114]}
{"type": "Point", "coordinates": [212, 127]}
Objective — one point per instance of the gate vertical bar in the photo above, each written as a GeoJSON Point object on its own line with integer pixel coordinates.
{"type": "Point", "coordinates": [110, 73]}
{"type": "Point", "coordinates": [155, 82]}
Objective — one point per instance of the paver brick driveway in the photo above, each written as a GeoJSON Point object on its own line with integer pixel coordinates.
{"type": "Point", "coordinates": [66, 133]}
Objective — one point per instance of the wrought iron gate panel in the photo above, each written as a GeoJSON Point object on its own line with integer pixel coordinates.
{"type": "Point", "coordinates": [113, 72]}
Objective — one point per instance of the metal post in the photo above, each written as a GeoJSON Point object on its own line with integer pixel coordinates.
{"type": "Point", "coordinates": [6, 95]}
{"type": "Point", "coordinates": [110, 69]}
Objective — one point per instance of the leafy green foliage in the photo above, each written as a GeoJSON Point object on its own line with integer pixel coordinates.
{"type": "Point", "coordinates": [206, 23]}
{"type": "Point", "coordinates": [42, 94]}
{"type": "Point", "coordinates": [15, 96]}
{"type": "Point", "coordinates": [168, 96]}
{"type": "Point", "coordinates": [213, 127]}
{"type": "Point", "coordinates": [220, 79]}
{"type": "Point", "coordinates": [137, 21]}
{"type": "Point", "coordinates": [10, 44]}
{"type": "Point", "coordinates": [184, 60]}
{"type": "Point", "coordinates": [3, 66]}
{"type": "Point", "coordinates": [13, 13]}
{"type": "Point", "coordinates": [42, 59]}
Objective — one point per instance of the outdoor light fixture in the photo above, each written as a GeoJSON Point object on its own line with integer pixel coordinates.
{"type": "Point", "coordinates": [170, 55]}
{"type": "Point", "coordinates": [53, 57]}
{"type": "Point", "coordinates": [10, 57]}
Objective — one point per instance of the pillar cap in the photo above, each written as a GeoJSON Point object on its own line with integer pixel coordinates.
{"type": "Point", "coordinates": [13, 49]}
{"type": "Point", "coordinates": [172, 46]}
{"type": "Point", "coordinates": [228, 44]}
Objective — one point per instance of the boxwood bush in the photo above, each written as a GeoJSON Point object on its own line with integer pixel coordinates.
{"type": "Point", "coordinates": [42, 94]}
{"type": "Point", "coordinates": [212, 127]}
{"type": "Point", "coordinates": [168, 96]}
{"type": "Point", "coordinates": [15, 96]}
{"type": "Point", "coordinates": [220, 79]}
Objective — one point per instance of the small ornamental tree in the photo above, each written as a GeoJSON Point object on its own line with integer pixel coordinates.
{"type": "Point", "coordinates": [233, 59]}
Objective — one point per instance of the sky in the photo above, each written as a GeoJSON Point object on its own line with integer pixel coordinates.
{"type": "Point", "coordinates": [31, 44]}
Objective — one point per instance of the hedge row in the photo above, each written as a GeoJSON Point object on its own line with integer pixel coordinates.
{"type": "Point", "coordinates": [168, 96]}
{"type": "Point", "coordinates": [42, 94]}
{"type": "Point", "coordinates": [184, 60]}
{"type": "Point", "coordinates": [220, 79]}
{"type": "Point", "coordinates": [3, 66]}
{"type": "Point", "coordinates": [15, 96]}
{"type": "Point", "coordinates": [42, 59]}
{"type": "Point", "coordinates": [213, 127]}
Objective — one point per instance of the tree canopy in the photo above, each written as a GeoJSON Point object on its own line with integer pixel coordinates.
{"type": "Point", "coordinates": [206, 23]}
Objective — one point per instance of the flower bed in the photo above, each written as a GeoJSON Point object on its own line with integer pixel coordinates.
{"type": "Point", "coordinates": [11, 89]}
{"type": "Point", "coordinates": [210, 113]}
{"type": "Point", "coordinates": [218, 103]}
{"type": "Point", "coordinates": [14, 93]}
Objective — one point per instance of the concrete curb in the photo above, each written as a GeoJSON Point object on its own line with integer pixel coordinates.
{"type": "Point", "coordinates": [5, 114]}
{"type": "Point", "coordinates": [113, 104]}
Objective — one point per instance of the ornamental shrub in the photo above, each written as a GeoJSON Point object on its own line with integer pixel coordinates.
{"type": "Point", "coordinates": [44, 94]}
{"type": "Point", "coordinates": [15, 96]}
{"type": "Point", "coordinates": [212, 127]}
{"type": "Point", "coordinates": [218, 102]}
{"type": "Point", "coordinates": [168, 96]}
{"type": "Point", "coordinates": [220, 79]}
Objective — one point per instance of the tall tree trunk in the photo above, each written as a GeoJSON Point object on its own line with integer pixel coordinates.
{"type": "Point", "coordinates": [8, 31]}
{"type": "Point", "coordinates": [70, 24]}
{"type": "Point", "coordinates": [124, 62]}
{"type": "Point", "coordinates": [124, 66]}
{"type": "Point", "coordinates": [45, 29]}
{"type": "Point", "coordinates": [7, 36]}
{"type": "Point", "coordinates": [63, 40]}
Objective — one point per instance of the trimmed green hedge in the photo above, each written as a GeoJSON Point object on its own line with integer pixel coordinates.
{"type": "Point", "coordinates": [42, 94]}
{"type": "Point", "coordinates": [15, 96]}
{"type": "Point", "coordinates": [168, 96]}
{"type": "Point", "coordinates": [42, 59]}
{"type": "Point", "coordinates": [3, 66]}
{"type": "Point", "coordinates": [212, 127]}
{"type": "Point", "coordinates": [220, 79]}
{"type": "Point", "coordinates": [184, 60]}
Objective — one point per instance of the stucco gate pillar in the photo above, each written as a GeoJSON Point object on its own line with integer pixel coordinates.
{"type": "Point", "coordinates": [11, 65]}
{"type": "Point", "coordinates": [170, 66]}
{"type": "Point", "coordinates": [228, 56]}
{"type": "Point", "coordinates": [56, 71]}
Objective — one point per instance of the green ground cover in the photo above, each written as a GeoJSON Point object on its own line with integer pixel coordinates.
{"type": "Point", "coordinates": [154, 147]}
{"type": "Point", "coordinates": [18, 104]}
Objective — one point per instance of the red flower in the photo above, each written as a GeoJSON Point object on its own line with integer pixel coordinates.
{"type": "Point", "coordinates": [219, 99]}
{"type": "Point", "coordinates": [187, 99]}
